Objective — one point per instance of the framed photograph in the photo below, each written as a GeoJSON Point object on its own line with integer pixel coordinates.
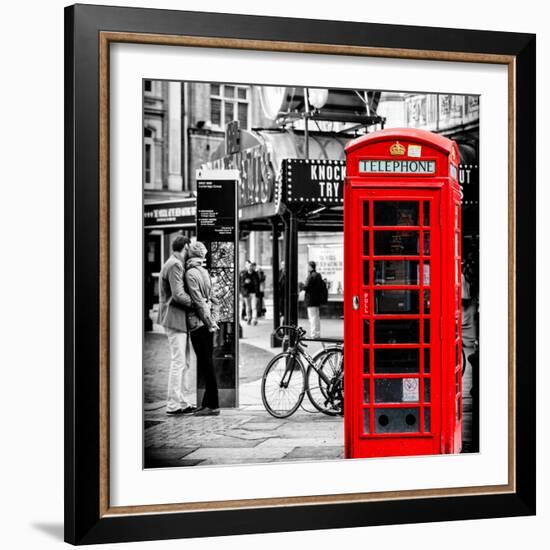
{"type": "Point", "coordinates": [299, 274]}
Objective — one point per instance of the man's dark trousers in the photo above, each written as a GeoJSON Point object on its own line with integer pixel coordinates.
{"type": "Point", "coordinates": [203, 344]}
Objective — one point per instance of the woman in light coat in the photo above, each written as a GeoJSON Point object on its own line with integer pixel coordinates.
{"type": "Point", "coordinates": [202, 324]}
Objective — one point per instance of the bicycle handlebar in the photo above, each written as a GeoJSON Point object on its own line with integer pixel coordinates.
{"type": "Point", "coordinates": [279, 332]}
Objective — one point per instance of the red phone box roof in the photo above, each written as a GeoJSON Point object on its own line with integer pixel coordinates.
{"type": "Point", "coordinates": [402, 151]}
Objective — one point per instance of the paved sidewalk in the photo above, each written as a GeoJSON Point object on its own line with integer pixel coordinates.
{"type": "Point", "coordinates": [239, 436]}
{"type": "Point", "coordinates": [260, 335]}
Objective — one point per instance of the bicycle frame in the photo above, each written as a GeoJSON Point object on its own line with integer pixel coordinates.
{"type": "Point", "coordinates": [295, 357]}
{"type": "Point", "coordinates": [297, 351]}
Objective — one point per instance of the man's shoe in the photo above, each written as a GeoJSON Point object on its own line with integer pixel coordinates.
{"type": "Point", "coordinates": [190, 410]}
{"type": "Point", "coordinates": [187, 411]}
{"type": "Point", "coordinates": [207, 411]}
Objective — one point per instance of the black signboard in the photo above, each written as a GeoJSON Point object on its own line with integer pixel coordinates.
{"type": "Point", "coordinates": [313, 181]}
{"type": "Point", "coordinates": [322, 181]}
{"type": "Point", "coordinates": [468, 178]}
{"type": "Point", "coordinates": [216, 210]}
{"type": "Point", "coordinates": [217, 229]}
{"type": "Point", "coordinates": [172, 213]}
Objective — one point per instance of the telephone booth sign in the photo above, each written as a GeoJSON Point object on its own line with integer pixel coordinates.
{"type": "Point", "coordinates": [403, 307]}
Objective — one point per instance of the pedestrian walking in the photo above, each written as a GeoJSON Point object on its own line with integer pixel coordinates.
{"type": "Point", "coordinates": [174, 304]}
{"type": "Point", "coordinates": [242, 300]}
{"type": "Point", "coordinates": [249, 287]}
{"type": "Point", "coordinates": [260, 303]}
{"type": "Point", "coordinates": [315, 295]}
{"type": "Point", "coordinates": [202, 325]}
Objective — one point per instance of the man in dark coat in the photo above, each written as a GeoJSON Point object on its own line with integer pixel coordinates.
{"type": "Point", "coordinates": [314, 288]}
{"type": "Point", "coordinates": [249, 288]}
{"type": "Point", "coordinates": [260, 304]}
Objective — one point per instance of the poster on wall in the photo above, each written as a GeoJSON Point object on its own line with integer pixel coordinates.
{"type": "Point", "coordinates": [329, 261]}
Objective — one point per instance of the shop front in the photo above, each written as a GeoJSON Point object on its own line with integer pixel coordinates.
{"type": "Point", "coordinates": [163, 220]}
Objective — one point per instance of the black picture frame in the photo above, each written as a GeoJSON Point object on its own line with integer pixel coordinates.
{"type": "Point", "coordinates": [87, 519]}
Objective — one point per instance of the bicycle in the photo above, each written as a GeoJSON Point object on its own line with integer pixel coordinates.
{"type": "Point", "coordinates": [286, 381]}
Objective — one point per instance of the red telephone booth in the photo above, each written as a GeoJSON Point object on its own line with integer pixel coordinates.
{"type": "Point", "coordinates": [403, 341]}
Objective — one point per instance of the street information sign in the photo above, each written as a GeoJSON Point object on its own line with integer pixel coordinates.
{"type": "Point", "coordinates": [217, 228]}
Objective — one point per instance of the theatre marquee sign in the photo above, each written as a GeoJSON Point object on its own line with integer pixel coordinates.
{"type": "Point", "coordinates": [313, 181]}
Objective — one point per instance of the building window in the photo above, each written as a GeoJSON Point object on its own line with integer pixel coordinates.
{"type": "Point", "coordinates": [148, 159]}
{"type": "Point", "coordinates": [148, 163]}
{"type": "Point", "coordinates": [228, 103]}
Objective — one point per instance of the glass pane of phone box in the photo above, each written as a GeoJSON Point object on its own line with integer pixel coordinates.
{"type": "Point", "coordinates": [396, 301]}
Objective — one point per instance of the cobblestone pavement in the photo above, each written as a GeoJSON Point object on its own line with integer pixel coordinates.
{"type": "Point", "coordinates": [239, 436]}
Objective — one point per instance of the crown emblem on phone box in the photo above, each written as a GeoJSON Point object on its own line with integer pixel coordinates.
{"type": "Point", "coordinates": [397, 149]}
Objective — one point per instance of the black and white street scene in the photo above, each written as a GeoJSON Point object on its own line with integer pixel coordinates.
{"type": "Point", "coordinates": [243, 270]}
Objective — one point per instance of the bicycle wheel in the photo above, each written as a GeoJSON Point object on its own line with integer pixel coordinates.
{"type": "Point", "coordinates": [283, 385]}
{"type": "Point", "coordinates": [325, 383]}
